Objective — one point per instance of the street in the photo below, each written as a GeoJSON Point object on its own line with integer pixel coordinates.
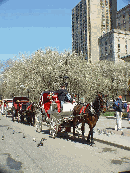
{"type": "Point", "coordinates": [20, 153]}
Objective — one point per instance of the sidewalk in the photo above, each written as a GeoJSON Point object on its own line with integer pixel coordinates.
{"type": "Point", "coordinates": [105, 132]}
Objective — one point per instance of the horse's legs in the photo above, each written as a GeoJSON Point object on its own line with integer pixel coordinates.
{"type": "Point", "coordinates": [74, 123]}
{"type": "Point", "coordinates": [88, 138]}
{"type": "Point", "coordinates": [82, 128]}
{"type": "Point", "coordinates": [92, 141]}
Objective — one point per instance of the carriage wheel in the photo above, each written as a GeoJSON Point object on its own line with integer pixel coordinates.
{"type": "Point", "coordinates": [6, 113]}
{"type": "Point", "coordinates": [53, 128]}
{"type": "Point", "coordinates": [18, 118]}
{"type": "Point", "coordinates": [22, 118]}
{"type": "Point", "coordinates": [29, 120]}
{"type": "Point", "coordinates": [12, 117]}
{"type": "Point", "coordinates": [13, 114]}
{"type": "Point", "coordinates": [38, 121]}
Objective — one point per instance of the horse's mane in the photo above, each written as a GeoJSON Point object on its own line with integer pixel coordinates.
{"type": "Point", "coordinates": [97, 104]}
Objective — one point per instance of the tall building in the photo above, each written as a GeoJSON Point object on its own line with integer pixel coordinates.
{"type": "Point", "coordinates": [123, 18]}
{"type": "Point", "coordinates": [90, 20]}
{"type": "Point", "coordinates": [115, 46]}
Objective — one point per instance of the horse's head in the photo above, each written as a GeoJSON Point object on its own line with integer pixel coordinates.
{"type": "Point", "coordinates": [98, 104]}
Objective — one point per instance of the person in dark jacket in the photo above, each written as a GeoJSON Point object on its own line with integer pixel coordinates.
{"type": "Point", "coordinates": [62, 95]}
{"type": "Point", "coordinates": [118, 108]}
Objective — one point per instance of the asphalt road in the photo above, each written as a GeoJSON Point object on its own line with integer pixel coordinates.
{"type": "Point", "coordinates": [19, 153]}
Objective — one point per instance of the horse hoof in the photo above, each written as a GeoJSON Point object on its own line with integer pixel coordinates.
{"type": "Point", "coordinates": [73, 138]}
{"type": "Point", "coordinates": [83, 138]}
{"type": "Point", "coordinates": [88, 142]}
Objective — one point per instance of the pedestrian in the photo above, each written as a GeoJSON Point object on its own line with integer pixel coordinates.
{"type": "Point", "coordinates": [118, 108]}
{"type": "Point", "coordinates": [125, 106]}
{"type": "Point", "coordinates": [128, 111]}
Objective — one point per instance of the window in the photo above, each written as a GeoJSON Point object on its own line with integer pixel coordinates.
{"type": "Point", "coordinates": [118, 47]}
{"type": "Point", "coordinates": [126, 48]}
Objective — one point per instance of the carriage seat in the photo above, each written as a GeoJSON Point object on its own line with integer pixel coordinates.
{"type": "Point", "coordinates": [67, 106]}
{"type": "Point", "coordinates": [57, 101]}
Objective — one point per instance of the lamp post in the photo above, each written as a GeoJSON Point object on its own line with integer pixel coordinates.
{"type": "Point", "coordinates": [65, 80]}
{"type": "Point", "coordinates": [0, 97]}
{"type": "Point", "coordinates": [28, 91]}
{"type": "Point", "coordinates": [12, 95]}
{"type": "Point", "coordinates": [22, 88]}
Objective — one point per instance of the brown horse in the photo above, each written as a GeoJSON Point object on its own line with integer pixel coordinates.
{"type": "Point", "coordinates": [86, 116]}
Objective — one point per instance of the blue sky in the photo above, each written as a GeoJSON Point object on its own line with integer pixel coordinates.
{"type": "Point", "coordinates": [28, 25]}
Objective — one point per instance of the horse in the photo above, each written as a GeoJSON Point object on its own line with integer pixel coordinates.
{"type": "Point", "coordinates": [30, 112]}
{"type": "Point", "coordinates": [87, 116]}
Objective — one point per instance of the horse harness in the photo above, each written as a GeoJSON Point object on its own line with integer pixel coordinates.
{"type": "Point", "coordinates": [82, 110]}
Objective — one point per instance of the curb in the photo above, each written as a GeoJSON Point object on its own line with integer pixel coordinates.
{"type": "Point", "coordinates": [111, 117]}
{"type": "Point", "coordinates": [112, 144]}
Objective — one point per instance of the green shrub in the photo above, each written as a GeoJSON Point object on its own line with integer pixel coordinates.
{"type": "Point", "coordinates": [109, 114]}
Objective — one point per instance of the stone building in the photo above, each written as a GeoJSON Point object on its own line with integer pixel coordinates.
{"type": "Point", "coordinates": [114, 45]}
{"type": "Point", "coordinates": [123, 18]}
{"type": "Point", "coordinates": [126, 58]}
{"type": "Point", "coordinates": [90, 20]}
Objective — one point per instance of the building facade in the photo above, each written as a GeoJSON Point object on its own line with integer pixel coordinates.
{"type": "Point", "coordinates": [114, 45]}
{"type": "Point", "coordinates": [123, 18]}
{"type": "Point", "coordinates": [126, 58]}
{"type": "Point", "coordinates": [90, 20]}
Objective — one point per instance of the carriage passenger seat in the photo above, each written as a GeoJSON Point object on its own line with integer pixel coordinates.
{"type": "Point", "coordinates": [57, 101]}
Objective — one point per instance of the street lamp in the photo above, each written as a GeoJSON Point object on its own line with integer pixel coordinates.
{"type": "Point", "coordinates": [28, 91]}
{"type": "Point", "coordinates": [12, 95]}
{"type": "Point", "coordinates": [65, 80]}
{"type": "Point", "coordinates": [0, 97]}
{"type": "Point", "coordinates": [22, 88]}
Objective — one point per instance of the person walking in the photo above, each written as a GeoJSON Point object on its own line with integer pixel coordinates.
{"type": "Point", "coordinates": [128, 111]}
{"type": "Point", "coordinates": [118, 108]}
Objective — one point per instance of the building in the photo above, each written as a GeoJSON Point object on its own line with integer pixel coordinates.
{"type": "Point", "coordinates": [126, 58]}
{"type": "Point", "coordinates": [114, 45]}
{"type": "Point", "coordinates": [123, 18]}
{"type": "Point", "coordinates": [90, 20]}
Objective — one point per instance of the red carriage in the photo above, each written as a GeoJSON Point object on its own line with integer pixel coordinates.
{"type": "Point", "coordinates": [72, 114]}
{"type": "Point", "coordinates": [50, 112]}
{"type": "Point", "coordinates": [22, 108]}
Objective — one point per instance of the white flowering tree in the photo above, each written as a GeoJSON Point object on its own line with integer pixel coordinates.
{"type": "Point", "coordinates": [45, 70]}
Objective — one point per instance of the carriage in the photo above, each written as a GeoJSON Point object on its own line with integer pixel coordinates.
{"type": "Point", "coordinates": [21, 109]}
{"type": "Point", "coordinates": [50, 112]}
{"type": "Point", "coordinates": [72, 115]}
